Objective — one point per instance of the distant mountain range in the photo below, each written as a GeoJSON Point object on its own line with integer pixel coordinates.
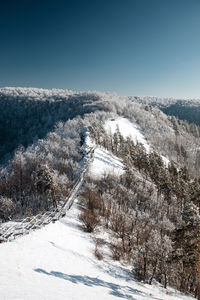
{"type": "Point", "coordinates": [188, 109]}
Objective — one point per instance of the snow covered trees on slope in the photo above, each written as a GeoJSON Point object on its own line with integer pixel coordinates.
{"type": "Point", "coordinates": [27, 115]}
{"type": "Point", "coordinates": [152, 233]}
{"type": "Point", "coordinates": [39, 177]}
{"type": "Point", "coordinates": [186, 109]}
{"type": "Point", "coordinates": [45, 185]}
{"type": "Point", "coordinates": [143, 210]}
{"type": "Point", "coordinates": [129, 212]}
{"type": "Point", "coordinates": [186, 250]}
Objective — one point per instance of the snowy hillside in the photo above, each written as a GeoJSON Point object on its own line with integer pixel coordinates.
{"type": "Point", "coordinates": [104, 162]}
{"type": "Point", "coordinates": [135, 216]}
{"type": "Point", "coordinates": [127, 129]}
{"type": "Point", "coordinates": [57, 262]}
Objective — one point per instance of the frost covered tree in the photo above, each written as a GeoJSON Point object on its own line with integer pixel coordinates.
{"type": "Point", "coordinates": [45, 184]}
{"type": "Point", "coordinates": [7, 208]}
{"type": "Point", "coordinates": [186, 252]}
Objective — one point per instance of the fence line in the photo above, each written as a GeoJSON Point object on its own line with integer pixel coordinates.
{"type": "Point", "coordinates": [30, 223]}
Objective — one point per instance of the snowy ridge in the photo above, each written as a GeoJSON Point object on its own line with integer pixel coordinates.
{"type": "Point", "coordinates": [104, 162]}
{"type": "Point", "coordinates": [58, 262]}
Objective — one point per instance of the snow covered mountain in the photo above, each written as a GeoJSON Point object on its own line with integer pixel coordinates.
{"type": "Point", "coordinates": [58, 262]}
{"type": "Point", "coordinates": [123, 236]}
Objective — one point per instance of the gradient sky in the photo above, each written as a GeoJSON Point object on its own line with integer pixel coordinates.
{"type": "Point", "coordinates": [132, 47]}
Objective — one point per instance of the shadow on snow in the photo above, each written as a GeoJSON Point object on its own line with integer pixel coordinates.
{"type": "Point", "coordinates": [115, 289]}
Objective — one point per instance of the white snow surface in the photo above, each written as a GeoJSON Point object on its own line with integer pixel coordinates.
{"type": "Point", "coordinates": [57, 263]}
{"type": "Point", "coordinates": [127, 129]}
{"type": "Point", "coordinates": [105, 163]}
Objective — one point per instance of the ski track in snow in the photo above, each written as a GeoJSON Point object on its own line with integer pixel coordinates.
{"type": "Point", "coordinates": [57, 262]}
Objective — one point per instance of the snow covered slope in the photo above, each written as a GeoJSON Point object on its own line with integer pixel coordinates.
{"type": "Point", "coordinates": [105, 163]}
{"type": "Point", "coordinates": [57, 263]}
{"type": "Point", "coordinates": [127, 129]}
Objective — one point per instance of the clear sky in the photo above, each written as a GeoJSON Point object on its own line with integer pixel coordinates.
{"type": "Point", "coordinates": [132, 47]}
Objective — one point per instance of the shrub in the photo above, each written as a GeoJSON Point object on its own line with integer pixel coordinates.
{"type": "Point", "coordinates": [90, 219]}
{"type": "Point", "coordinates": [7, 208]}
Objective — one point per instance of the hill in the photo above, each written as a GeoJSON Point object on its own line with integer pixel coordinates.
{"type": "Point", "coordinates": [139, 196]}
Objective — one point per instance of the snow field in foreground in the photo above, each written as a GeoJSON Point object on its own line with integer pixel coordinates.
{"type": "Point", "coordinates": [57, 263]}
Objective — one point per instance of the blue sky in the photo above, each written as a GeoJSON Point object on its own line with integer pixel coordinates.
{"type": "Point", "coordinates": [142, 47]}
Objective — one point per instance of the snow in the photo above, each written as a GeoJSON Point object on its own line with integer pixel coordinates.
{"type": "Point", "coordinates": [89, 144]}
{"type": "Point", "coordinates": [57, 262]}
{"type": "Point", "coordinates": [127, 129]}
{"type": "Point", "coordinates": [105, 163]}
{"type": "Point", "coordinates": [165, 160]}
